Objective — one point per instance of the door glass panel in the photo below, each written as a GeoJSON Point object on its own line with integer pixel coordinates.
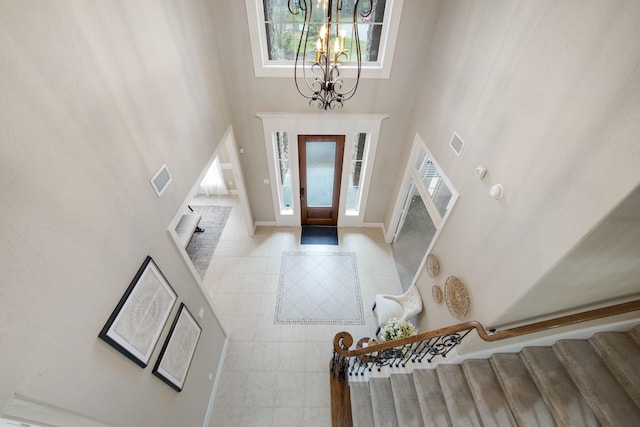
{"type": "Point", "coordinates": [441, 196]}
{"type": "Point", "coordinates": [320, 172]}
{"type": "Point", "coordinates": [412, 240]}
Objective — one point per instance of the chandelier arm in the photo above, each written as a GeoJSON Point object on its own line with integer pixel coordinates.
{"type": "Point", "coordinates": [303, 43]}
{"type": "Point", "coordinates": [365, 13]}
{"type": "Point", "coordinates": [353, 90]}
{"type": "Point", "coordinates": [326, 90]}
{"type": "Point", "coordinates": [301, 4]}
{"type": "Point", "coordinates": [348, 94]}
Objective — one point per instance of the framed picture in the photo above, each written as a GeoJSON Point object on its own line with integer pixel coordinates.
{"type": "Point", "coordinates": [175, 358]}
{"type": "Point", "coordinates": [135, 325]}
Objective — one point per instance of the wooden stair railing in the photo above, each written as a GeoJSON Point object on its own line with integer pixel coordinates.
{"type": "Point", "coordinates": [430, 344]}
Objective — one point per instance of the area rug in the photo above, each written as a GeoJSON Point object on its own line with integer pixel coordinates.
{"type": "Point", "coordinates": [319, 288]}
{"type": "Point", "coordinates": [203, 245]}
{"type": "Point", "coordinates": [319, 235]}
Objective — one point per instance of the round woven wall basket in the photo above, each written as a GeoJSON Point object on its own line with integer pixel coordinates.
{"type": "Point", "coordinates": [436, 292]}
{"type": "Point", "coordinates": [456, 297]}
{"type": "Point", "coordinates": [432, 265]}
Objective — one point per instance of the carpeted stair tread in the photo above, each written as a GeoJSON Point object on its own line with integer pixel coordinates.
{"type": "Point", "coordinates": [361, 410]}
{"type": "Point", "coordinates": [621, 354]}
{"type": "Point", "coordinates": [490, 400]}
{"type": "Point", "coordinates": [526, 402]}
{"type": "Point", "coordinates": [558, 390]}
{"type": "Point", "coordinates": [573, 383]}
{"type": "Point", "coordinates": [406, 400]}
{"type": "Point", "coordinates": [607, 398]}
{"type": "Point", "coordinates": [384, 412]}
{"type": "Point", "coordinates": [635, 334]}
{"type": "Point", "coordinates": [457, 395]}
{"type": "Point", "coordinates": [432, 405]}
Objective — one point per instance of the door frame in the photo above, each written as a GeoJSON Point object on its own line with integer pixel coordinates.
{"type": "Point", "coordinates": [404, 209]}
{"type": "Point", "coordinates": [319, 124]}
{"type": "Point", "coordinates": [325, 216]}
{"type": "Point", "coordinates": [411, 177]}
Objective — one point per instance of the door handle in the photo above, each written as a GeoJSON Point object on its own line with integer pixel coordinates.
{"type": "Point", "coordinates": [302, 193]}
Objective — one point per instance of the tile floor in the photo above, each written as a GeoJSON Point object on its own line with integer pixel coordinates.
{"type": "Point", "coordinates": [319, 288]}
{"type": "Point", "coordinates": [277, 375]}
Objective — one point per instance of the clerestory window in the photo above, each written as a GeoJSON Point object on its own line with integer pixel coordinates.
{"type": "Point", "coordinates": [275, 34]}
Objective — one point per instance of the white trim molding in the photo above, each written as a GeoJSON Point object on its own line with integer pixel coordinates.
{"type": "Point", "coordinates": [381, 69]}
{"type": "Point", "coordinates": [320, 124]}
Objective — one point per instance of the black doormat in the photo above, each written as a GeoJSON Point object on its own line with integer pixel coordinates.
{"type": "Point", "coordinates": [319, 235]}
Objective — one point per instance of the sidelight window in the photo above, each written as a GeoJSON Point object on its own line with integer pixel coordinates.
{"type": "Point", "coordinates": [283, 160]}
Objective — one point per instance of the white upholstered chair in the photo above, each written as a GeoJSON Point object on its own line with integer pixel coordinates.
{"type": "Point", "coordinates": [401, 307]}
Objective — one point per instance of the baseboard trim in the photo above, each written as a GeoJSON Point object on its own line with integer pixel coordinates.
{"type": "Point", "coordinates": [373, 225]}
{"type": "Point", "coordinates": [264, 224]}
{"type": "Point", "coordinates": [216, 383]}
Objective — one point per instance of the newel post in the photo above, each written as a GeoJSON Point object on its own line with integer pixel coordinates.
{"type": "Point", "coordinates": [340, 396]}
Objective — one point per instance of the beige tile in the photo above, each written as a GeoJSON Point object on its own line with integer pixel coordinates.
{"type": "Point", "coordinates": [246, 304]}
{"type": "Point", "coordinates": [318, 355]}
{"type": "Point", "coordinates": [238, 355]}
{"type": "Point", "coordinates": [289, 391]}
{"type": "Point", "coordinates": [226, 415]}
{"type": "Point", "coordinates": [256, 416]}
{"type": "Point", "coordinates": [266, 330]}
{"type": "Point", "coordinates": [231, 388]}
{"type": "Point", "coordinates": [317, 392]}
{"type": "Point", "coordinates": [259, 389]}
{"type": "Point", "coordinates": [278, 374]}
{"type": "Point", "coordinates": [265, 356]}
{"type": "Point", "coordinates": [293, 332]}
{"type": "Point", "coordinates": [317, 417]}
{"type": "Point", "coordinates": [267, 304]}
{"type": "Point", "coordinates": [288, 417]}
{"type": "Point", "coordinates": [243, 328]}
{"type": "Point", "coordinates": [292, 357]}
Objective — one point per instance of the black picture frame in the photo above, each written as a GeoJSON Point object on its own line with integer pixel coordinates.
{"type": "Point", "coordinates": [178, 349]}
{"type": "Point", "coordinates": [137, 322]}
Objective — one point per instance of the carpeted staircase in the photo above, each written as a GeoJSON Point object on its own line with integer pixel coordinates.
{"type": "Point", "coordinates": [573, 383]}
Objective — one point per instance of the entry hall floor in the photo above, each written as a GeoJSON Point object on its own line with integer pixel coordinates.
{"type": "Point", "coordinates": [278, 374]}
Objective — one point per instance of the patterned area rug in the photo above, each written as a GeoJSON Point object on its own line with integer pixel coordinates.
{"type": "Point", "coordinates": [202, 245]}
{"type": "Point", "coordinates": [319, 288]}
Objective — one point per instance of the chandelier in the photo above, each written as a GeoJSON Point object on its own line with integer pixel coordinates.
{"type": "Point", "coordinates": [323, 38]}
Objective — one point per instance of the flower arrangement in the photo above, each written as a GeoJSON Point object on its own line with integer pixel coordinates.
{"type": "Point", "coordinates": [396, 329]}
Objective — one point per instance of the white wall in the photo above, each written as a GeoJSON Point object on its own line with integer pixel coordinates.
{"type": "Point", "coordinates": [394, 96]}
{"type": "Point", "coordinates": [546, 96]}
{"type": "Point", "coordinates": [94, 98]}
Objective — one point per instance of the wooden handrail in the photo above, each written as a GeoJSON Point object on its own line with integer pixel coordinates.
{"type": "Point", "coordinates": [344, 340]}
{"type": "Point", "coordinates": [340, 395]}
